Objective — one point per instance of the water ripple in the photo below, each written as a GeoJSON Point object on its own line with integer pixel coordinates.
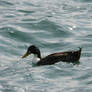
{"type": "Point", "coordinates": [53, 26]}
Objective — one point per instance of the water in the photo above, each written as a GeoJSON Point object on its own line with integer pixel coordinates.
{"type": "Point", "coordinates": [52, 25]}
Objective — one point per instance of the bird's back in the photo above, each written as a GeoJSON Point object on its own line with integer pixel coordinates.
{"type": "Point", "coordinates": [69, 56]}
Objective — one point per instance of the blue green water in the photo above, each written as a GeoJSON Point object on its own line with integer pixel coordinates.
{"type": "Point", "coordinates": [53, 26]}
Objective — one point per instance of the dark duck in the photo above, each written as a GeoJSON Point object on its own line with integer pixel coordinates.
{"type": "Point", "coordinates": [67, 56]}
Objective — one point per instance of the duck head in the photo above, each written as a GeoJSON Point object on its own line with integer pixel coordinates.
{"type": "Point", "coordinates": [32, 50]}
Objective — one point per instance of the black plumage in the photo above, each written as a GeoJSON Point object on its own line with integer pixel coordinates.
{"type": "Point", "coordinates": [68, 56]}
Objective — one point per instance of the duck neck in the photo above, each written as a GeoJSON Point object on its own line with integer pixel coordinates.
{"type": "Point", "coordinates": [36, 59]}
{"type": "Point", "coordinates": [39, 56]}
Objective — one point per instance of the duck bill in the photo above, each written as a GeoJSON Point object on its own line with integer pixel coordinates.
{"type": "Point", "coordinates": [25, 55]}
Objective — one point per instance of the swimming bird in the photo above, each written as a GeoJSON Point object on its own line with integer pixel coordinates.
{"type": "Point", "coordinates": [67, 56]}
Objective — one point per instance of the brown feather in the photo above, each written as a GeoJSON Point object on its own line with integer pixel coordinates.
{"type": "Point", "coordinates": [69, 56]}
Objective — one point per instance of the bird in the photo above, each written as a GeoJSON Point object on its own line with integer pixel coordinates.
{"type": "Point", "coordinates": [66, 56]}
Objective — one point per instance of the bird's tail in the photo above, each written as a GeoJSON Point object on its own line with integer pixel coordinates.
{"type": "Point", "coordinates": [80, 49]}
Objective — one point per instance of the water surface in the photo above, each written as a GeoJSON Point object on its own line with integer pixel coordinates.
{"type": "Point", "coordinates": [53, 26]}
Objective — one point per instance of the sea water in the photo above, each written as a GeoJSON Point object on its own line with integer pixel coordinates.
{"type": "Point", "coordinates": [53, 26]}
